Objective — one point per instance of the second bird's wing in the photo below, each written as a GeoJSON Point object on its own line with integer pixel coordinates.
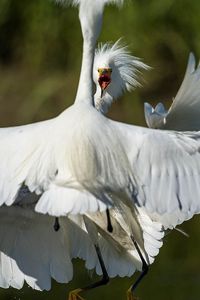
{"type": "Point", "coordinates": [184, 113]}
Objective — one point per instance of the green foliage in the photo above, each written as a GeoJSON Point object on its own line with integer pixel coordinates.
{"type": "Point", "coordinates": [47, 35]}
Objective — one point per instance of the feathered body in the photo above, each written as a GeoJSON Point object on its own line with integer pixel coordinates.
{"type": "Point", "coordinates": [86, 158]}
{"type": "Point", "coordinates": [72, 167]}
{"type": "Point", "coordinates": [71, 159]}
{"type": "Point", "coordinates": [32, 252]}
{"type": "Point", "coordinates": [52, 166]}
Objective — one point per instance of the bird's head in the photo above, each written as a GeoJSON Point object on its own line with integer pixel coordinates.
{"type": "Point", "coordinates": [125, 70]}
{"type": "Point", "coordinates": [104, 78]}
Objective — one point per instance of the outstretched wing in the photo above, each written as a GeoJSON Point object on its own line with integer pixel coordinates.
{"type": "Point", "coordinates": [166, 167]}
{"type": "Point", "coordinates": [24, 156]}
{"type": "Point", "coordinates": [183, 115]}
{"type": "Point", "coordinates": [34, 156]}
{"type": "Point", "coordinates": [185, 110]}
{"type": "Point", "coordinates": [30, 249]}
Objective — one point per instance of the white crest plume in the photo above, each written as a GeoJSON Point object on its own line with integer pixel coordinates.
{"type": "Point", "coordinates": [125, 70]}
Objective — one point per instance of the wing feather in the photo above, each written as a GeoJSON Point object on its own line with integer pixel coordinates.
{"type": "Point", "coordinates": [31, 250]}
{"type": "Point", "coordinates": [24, 159]}
{"type": "Point", "coordinates": [60, 201]}
{"type": "Point", "coordinates": [166, 167]}
{"type": "Point", "coordinates": [183, 115]}
{"type": "Point", "coordinates": [50, 166]}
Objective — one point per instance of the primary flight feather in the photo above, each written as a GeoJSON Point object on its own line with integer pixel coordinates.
{"type": "Point", "coordinates": [183, 114]}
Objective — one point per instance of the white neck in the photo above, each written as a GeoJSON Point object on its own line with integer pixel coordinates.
{"type": "Point", "coordinates": [85, 86]}
{"type": "Point", "coordinates": [90, 16]}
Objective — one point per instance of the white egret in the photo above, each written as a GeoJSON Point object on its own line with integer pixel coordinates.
{"type": "Point", "coordinates": [77, 168]}
{"type": "Point", "coordinates": [118, 252]}
{"type": "Point", "coordinates": [183, 114]}
{"type": "Point", "coordinates": [20, 267]}
{"type": "Point", "coordinates": [114, 72]}
{"type": "Point", "coordinates": [189, 89]}
{"type": "Point", "coordinates": [35, 162]}
{"type": "Point", "coordinates": [120, 73]}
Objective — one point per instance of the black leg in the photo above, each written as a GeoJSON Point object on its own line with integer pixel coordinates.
{"type": "Point", "coordinates": [105, 278]}
{"type": "Point", "coordinates": [56, 225]}
{"type": "Point", "coordinates": [145, 268]}
{"type": "Point", "coordinates": [74, 295]}
{"type": "Point", "coordinates": [109, 223]}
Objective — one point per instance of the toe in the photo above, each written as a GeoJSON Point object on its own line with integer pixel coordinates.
{"type": "Point", "coordinates": [74, 295]}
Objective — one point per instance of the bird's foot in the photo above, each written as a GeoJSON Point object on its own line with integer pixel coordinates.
{"type": "Point", "coordinates": [130, 295]}
{"type": "Point", "coordinates": [74, 295]}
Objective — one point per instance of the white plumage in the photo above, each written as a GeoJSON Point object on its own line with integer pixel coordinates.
{"type": "Point", "coordinates": [118, 252]}
{"type": "Point", "coordinates": [88, 163]}
{"type": "Point", "coordinates": [157, 155]}
{"type": "Point", "coordinates": [83, 2]}
{"type": "Point", "coordinates": [38, 166]}
{"type": "Point", "coordinates": [167, 167]}
{"type": "Point", "coordinates": [125, 69]}
{"type": "Point", "coordinates": [31, 251]}
{"type": "Point", "coordinates": [183, 115]}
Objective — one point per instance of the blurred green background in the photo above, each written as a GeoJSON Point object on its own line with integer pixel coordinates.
{"type": "Point", "coordinates": [40, 56]}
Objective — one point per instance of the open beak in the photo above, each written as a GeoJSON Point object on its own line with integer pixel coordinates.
{"type": "Point", "coordinates": [104, 78]}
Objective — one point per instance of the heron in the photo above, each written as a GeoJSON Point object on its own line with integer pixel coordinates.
{"type": "Point", "coordinates": [128, 164]}
{"type": "Point", "coordinates": [115, 71]}
{"type": "Point", "coordinates": [39, 278]}
{"type": "Point", "coordinates": [30, 230]}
